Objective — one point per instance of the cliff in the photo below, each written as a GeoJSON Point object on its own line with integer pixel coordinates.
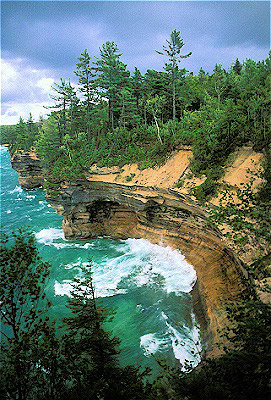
{"type": "Point", "coordinates": [96, 208]}
{"type": "Point", "coordinates": [29, 169]}
{"type": "Point", "coordinates": [123, 203]}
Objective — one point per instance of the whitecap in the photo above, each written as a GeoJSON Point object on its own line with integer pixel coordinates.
{"type": "Point", "coordinates": [17, 189]}
{"type": "Point", "coordinates": [186, 344]}
{"type": "Point", "coordinates": [64, 288]}
{"type": "Point", "coordinates": [151, 344]}
{"type": "Point", "coordinates": [142, 264]}
{"type": "Point", "coordinates": [84, 246]}
{"type": "Point", "coordinates": [152, 261]}
{"type": "Point", "coordinates": [47, 236]}
{"type": "Point", "coordinates": [30, 197]}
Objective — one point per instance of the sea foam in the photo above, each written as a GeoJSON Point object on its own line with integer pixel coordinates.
{"type": "Point", "coordinates": [47, 236]}
{"type": "Point", "coordinates": [17, 189]}
{"type": "Point", "coordinates": [185, 342]}
{"type": "Point", "coordinates": [141, 264]}
{"type": "Point", "coordinates": [149, 261]}
{"type": "Point", "coordinates": [55, 237]}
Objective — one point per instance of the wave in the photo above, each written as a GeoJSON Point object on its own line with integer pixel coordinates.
{"type": "Point", "coordinates": [17, 189]}
{"type": "Point", "coordinates": [64, 288]}
{"type": "Point", "coordinates": [152, 343]}
{"type": "Point", "coordinates": [186, 344]}
{"type": "Point", "coordinates": [149, 262]}
{"type": "Point", "coordinates": [47, 236]}
{"type": "Point", "coordinates": [55, 237]}
{"type": "Point", "coordinates": [143, 264]}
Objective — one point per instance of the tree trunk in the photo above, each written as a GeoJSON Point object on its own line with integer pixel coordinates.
{"type": "Point", "coordinates": [158, 129]}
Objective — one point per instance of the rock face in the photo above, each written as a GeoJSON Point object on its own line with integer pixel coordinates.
{"type": "Point", "coordinates": [163, 216]}
{"type": "Point", "coordinates": [98, 206]}
{"type": "Point", "coordinates": [29, 169]}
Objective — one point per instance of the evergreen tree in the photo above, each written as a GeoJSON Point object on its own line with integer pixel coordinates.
{"type": "Point", "coordinates": [27, 363]}
{"type": "Point", "coordinates": [137, 87]}
{"type": "Point", "coordinates": [113, 77]}
{"type": "Point", "coordinates": [173, 50]}
{"type": "Point", "coordinates": [237, 67]}
{"type": "Point", "coordinates": [86, 75]}
{"type": "Point", "coordinates": [66, 108]}
{"type": "Point", "coordinates": [91, 353]}
{"type": "Point", "coordinates": [48, 145]}
{"type": "Point", "coordinates": [21, 133]}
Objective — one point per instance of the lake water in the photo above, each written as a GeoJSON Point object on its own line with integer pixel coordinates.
{"type": "Point", "coordinates": [149, 285]}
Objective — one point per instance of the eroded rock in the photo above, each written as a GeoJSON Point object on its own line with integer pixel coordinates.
{"type": "Point", "coordinates": [29, 169]}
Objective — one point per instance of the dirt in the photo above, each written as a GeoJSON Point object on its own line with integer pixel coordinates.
{"type": "Point", "coordinates": [176, 174]}
{"type": "Point", "coordinates": [177, 168]}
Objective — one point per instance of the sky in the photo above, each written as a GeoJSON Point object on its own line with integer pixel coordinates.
{"type": "Point", "coordinates": [41, 40]}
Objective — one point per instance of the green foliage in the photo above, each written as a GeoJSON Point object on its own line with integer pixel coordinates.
{"type": "Point", "coordinates": [130, 177]}
{"type": "Point", "coordinates": [173, 50]}
{"type": "Point", "coordinates": [7, 134]}
{"type": "Point", "coordinates": [179, 183]}
{"type": "Point", "coordinates": [142, 118]}
{"type": "Point", "coordinates": [80, 362]}
{"type": "Point", "coordinates": [112, 79]}
{"type": "Point", "coordinates": [29, 344]}
{"type": "Point", "coordinates": [208, 188]}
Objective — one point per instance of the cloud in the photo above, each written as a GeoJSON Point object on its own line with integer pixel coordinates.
{"type": "Point", "coordinates": [24, 89]}
{"type": "Point", "coordinates": [62, 30]}
{"type": "Point", "coordinates": [41, 40]}
{"type": "Point", "coordinates": [45, 84]}
{"type": "Point", "coordinates": [206, 52]}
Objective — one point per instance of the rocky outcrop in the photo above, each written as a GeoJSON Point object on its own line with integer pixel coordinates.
{"type": "Point", "coordinates": [29, 169]}
{"type": "Point", "coordinates": [105, 204]}
{"type": "Point", "coordinates": [163, 216]}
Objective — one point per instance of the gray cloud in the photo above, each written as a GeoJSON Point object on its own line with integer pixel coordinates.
{"type": "Point", "coordinates": [50, 35]}
{"type": "Point", "coordinates": [55, 33]}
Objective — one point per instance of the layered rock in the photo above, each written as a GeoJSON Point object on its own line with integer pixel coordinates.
{"type": "Point", "coordinates": [29, 169]}
{"type": "Point", "coordinates": [163, 216]}
{"type": "Point", "coordinates": [98, 206]}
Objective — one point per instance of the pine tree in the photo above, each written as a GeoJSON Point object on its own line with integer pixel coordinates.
{"type": "Point", "coordinates": [237, 67]}
{"type": "Point", "coordinates": [29, 345]}
{"type": "Point", "coordinates": [173, 50]}
{"type": "Point", "coordinates": [66, 108]}
{"type": "Point", "coordinates": [113, 77]}
{"type": "Point", "coordinates": [86, 75]}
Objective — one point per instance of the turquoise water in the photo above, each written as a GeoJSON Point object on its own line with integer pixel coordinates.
{"type": "Point", "coordinates": [150, 285]}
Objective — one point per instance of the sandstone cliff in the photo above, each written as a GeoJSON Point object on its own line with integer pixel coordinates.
{"type": "Point", "coordinates": [127, 202]}
{"type": "Point", "coordinates": [96, 208]}
{"type": "Point", "coordinates": [29, 169]}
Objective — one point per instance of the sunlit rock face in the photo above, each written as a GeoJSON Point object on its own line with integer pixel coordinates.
{"type": "Point", "coordinates": [93, 209]}
{"type": "Point", "coordinates": [96, 207]}
{"type": "Point", "coordinates": [29, 169]}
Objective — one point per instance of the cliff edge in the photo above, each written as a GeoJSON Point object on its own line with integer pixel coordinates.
{"type": "Point", "coordinates": [129, 203]}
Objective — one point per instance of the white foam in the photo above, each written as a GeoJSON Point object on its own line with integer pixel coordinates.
{"type": "Point", "coordinates": [153, 260]}
{"type": "Point", "coordinates": [53, 237]}
{"type": "Point", "coordinates": [47, 236]}
{"type": "Point", "coordinates": [185, 346]}
{"type": "Point", "coordinates": [17, 189]}
{"type": "Point", "coordinates": [141, 264]}
{"type": "Point", "coordinates": [151, 344]}
{"type": "Point", "coordinates": [64, 288]}
{"type": "Point", "coordinates": [30, 196]}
